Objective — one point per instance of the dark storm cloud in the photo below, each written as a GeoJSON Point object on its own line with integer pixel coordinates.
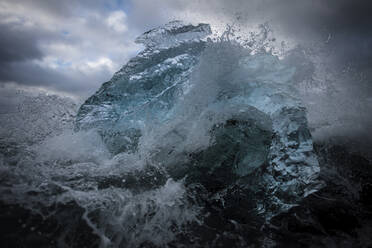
{"type": "Point", "coordinates": [69, 46]}
{"type": "Point", "coordinates": [17, 46]}
{"type": "Point", "coordinates": [29, 74]}
{"type": "Point", "coordinates": [348, 23]}
{"type": "Point", "coordinates": [353, 16]}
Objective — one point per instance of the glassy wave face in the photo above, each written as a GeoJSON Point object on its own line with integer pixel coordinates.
{"type": "Point", "coordinates": [193, 143]}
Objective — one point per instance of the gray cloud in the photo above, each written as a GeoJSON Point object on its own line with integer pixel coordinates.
{"type": "Point", "coordinates": [68, 46]}
{"type": "Point", "coordinates": [16, 46]}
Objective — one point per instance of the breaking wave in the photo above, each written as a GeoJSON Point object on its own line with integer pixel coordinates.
{"type": "Point", "coordinates": [201, 161]}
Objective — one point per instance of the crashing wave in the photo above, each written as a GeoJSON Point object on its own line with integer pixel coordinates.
{"type": "Point", "coordinates": [215, 102]}
{"type": "Point", "coordinates": [193, 142]}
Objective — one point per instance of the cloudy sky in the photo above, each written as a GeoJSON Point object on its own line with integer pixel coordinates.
{"type": "Point", "coordinates": [72, 46]}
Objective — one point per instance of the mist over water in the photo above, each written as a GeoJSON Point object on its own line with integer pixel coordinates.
{"type": "Point", "coordinates": [140, 198]}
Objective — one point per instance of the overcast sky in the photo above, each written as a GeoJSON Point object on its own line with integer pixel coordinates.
{"type": "Point", "coordinates": [72, 46]}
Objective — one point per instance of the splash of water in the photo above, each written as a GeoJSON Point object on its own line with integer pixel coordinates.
{"type": "Point", "coordinates": [188, 131]}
